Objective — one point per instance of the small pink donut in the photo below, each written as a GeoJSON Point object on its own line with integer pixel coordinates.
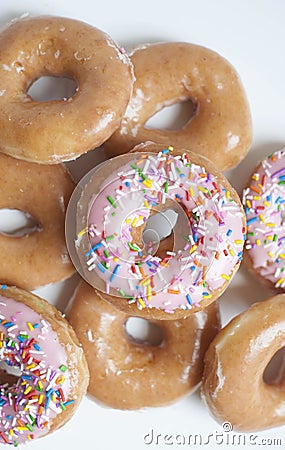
{"type": "Point", "coordinates": [264, 201]}
{"type": "Point", "coordinates": [44, 373]}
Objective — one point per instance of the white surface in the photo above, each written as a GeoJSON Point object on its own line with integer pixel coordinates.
{"type": "Point", "coordinates": [251, 35]}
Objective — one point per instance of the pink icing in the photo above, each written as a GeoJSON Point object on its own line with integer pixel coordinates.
{"type": "Point", "coordinates": [29, 344]}
{"type": "Point", "coordinates": [207, 245]}
{"type": "Point", "coordinates": [264, 205]}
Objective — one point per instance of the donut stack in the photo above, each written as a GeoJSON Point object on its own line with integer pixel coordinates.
{"type": "Point", "coordinates": [155, 232]}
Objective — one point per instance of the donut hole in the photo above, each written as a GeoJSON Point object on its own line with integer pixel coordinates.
{"type": "Point", "coordinates": [159, 225]}
{"type": "Point", "coordinates": [158, 232]}
{"type": "Point", "coordinates": [48, 88]}
{"type": "Point", "coordinates": [9, 374]}
{"type": "Point", "coordinates": [17, 223]}
{"type": "Point", "coordinates": [275, 369]}
{"type": "Point", "coordinates": [172, 117]}
{"type": "Point", "coordinates": [143, 332]}
{"type": "Point", "coordinates": [165, 247]}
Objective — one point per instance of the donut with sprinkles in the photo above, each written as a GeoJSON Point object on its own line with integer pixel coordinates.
{"type": "Point", "coordinates": [43, 374]}
{"type": "Point", "coordinates": [263, 200]}
{"type": "Point", "coordinates": [174, 273]}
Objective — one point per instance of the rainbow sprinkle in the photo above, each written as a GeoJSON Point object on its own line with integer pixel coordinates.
{"type": "Point", "coordinates": [206, 253]}
{"type": "Point", "coordinates": [40, 391]}
{"type": "Point", "coordinates": [264, 213]}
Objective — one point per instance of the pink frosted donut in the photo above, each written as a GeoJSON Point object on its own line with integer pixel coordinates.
{"type": "Point", "coordinates": [136, 263]}
{"type": "Point", "coordinates": [264, 200]}
{"type": "Point", "coordinates": [43, 373]}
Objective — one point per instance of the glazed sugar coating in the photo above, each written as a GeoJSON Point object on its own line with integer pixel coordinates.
{"type": "Point", "coordinates": [174, 274]}
{"type": "Point", "coordinates": [264, 200]}
{"type": "Point", "coordinates": [52, 374]}
{"type": "Point", "coordinates": [169, 73]}
{"type": "Point", "coordinates": [129, 375]}
{"type": "Point", "coordinates": [42, 191]}
{"type": "Point", "coordinates": [60, 130]}
{"type": "Point", "coordinates": [233, 386]}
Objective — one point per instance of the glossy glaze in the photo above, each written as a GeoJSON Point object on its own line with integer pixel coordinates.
{"type": "Point", "coordinates": [60, 130]}
{"type": "Point", "coordinates": [43, 192]}
{"type": "Point", "coordinates": [233, 386]}
{"type": "Point", "coordinates": [169, 73]}
{"type": "Point", "coordinates": [128, 375]}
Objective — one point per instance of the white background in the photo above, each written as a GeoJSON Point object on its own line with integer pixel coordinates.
{"type": "Point", "coordinates": [251, 35]}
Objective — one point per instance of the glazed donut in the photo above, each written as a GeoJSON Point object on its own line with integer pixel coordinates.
{"type": "Point", "coordinates": [168, 73]}
{"type": "Point", "coordinates": [52, 373]}
{"type": "Point", "coordinates": [233, 386]}
{"type": "Point", "coordinates": [264, 200]}
{"type": "Point", "coordinates": [39, 258]}
{"type": "Point", "coordinates": [60, 130]}
{"type": "Point", "coordinates": [125, 374]}
{"type": "Point", "coordinates": [115, 205]}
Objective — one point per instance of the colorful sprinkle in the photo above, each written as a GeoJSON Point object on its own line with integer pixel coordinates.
{"type": "Point", "coordinates": [264, 240]}
{"type": "Point", "coordinates": [29, 406]}
{"type": "Point", "coordinates": [215, 232]}
{"type": "Point", "coordinates": [112, 201]}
